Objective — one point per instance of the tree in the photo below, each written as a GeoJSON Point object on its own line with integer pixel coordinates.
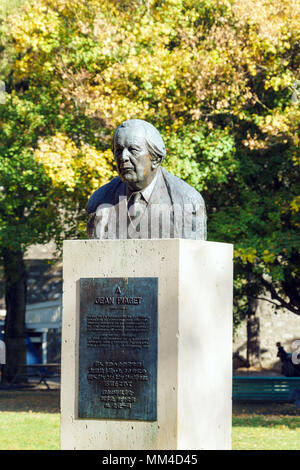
{"type": "Point", "coordinates": [32, 208]}
{"type": "Point", "coordinates": [216, 78]}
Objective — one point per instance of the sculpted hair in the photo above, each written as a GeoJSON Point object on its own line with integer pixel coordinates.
{"type": "Point", "coordinates": [153, 139]}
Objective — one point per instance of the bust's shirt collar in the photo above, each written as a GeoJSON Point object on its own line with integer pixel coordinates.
{"type": "Point", "coordinates": [146, 192]}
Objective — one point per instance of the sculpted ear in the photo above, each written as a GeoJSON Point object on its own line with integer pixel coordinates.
{"type": "Point", "coordinates": [155, 163]}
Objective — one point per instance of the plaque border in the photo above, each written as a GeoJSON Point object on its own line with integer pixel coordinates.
{"type": "Point", "coordinates": [150, 412]}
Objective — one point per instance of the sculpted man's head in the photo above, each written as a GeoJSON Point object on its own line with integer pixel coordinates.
{"type": "Point", "coordinates": [138, 150]}
{"type": "Point", "coordinates": [164, 206]}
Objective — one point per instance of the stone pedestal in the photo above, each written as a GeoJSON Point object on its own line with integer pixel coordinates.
{"type": "Point", "coordinates": [194, 356]}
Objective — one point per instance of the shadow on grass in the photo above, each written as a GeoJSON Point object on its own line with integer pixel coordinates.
{"type": "Point", "coordinates": [46, 401]}
{"type": "Point", "coordinates": [266, 415]}
{"type": "Point", "coordinates": [289, 422]}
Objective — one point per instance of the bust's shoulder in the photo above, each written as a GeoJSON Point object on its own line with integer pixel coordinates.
{"type": "Point", "coordinates": [180, 189]}
{"type": "Point", "coordinates": [103, 195]}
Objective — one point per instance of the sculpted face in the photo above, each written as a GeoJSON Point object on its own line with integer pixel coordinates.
{"type": "Point", "coordinates": [134, 164]}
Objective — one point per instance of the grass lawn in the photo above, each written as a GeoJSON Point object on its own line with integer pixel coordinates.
{"type": "Point", "coordinates": [266, 427]}
{"type": "Point", "coordinates": [29, 431]}
{"type": "Point", "coordinates": [31, 420]}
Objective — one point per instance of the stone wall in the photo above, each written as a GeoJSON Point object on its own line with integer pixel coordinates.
{"type": "Point", "coordinates": [282, 326]}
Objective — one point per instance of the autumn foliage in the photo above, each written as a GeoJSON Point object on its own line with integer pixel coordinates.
{"type": "Point", "coordinates": [218, 78]}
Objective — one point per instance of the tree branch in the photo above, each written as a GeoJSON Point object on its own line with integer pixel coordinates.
{"type": "Point", "coordinates": [276, 296]}
{"type": "Point", "coordinates": [267, 300]}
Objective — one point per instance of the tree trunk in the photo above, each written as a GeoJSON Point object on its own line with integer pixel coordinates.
{"type": "Point", "coordinates": [253, 334]}
{"type": "Point", "coordinates": [15, 299]}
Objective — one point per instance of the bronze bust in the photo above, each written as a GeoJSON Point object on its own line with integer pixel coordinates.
{"type": "Point", "coordinates": [145, 200]}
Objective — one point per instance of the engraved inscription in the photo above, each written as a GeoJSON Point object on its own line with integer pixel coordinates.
{"type": "Point", "coordinates": [118, 348]}
{"type": "Point", "coordinates": [115, 340]}
{"type": "Point", "coordinates": [105, 300]}
{"type": "Point", "coordinates": [123, 330]}
{"type": "Point", "coordinates": [118, 300]}
{"type": "Point", "coordinates": [121, 323]}
{"type": "Point", "coordinates": [117, 399]}
{"type": "Point", "coordinates": [117, 374]}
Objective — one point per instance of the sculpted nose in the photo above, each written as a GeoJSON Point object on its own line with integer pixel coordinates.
{"type": "Point", "coordinates": [125, 155]}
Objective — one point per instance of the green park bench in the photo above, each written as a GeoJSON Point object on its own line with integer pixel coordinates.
{"type": "Point", "coordinates": [276, 389]}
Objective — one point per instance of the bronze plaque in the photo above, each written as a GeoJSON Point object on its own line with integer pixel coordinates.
{"type": "Point", "coordinates": [118, 348]}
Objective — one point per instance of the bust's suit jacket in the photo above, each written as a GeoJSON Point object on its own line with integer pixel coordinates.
{"type": "Point", "coordinates": [174, 210]}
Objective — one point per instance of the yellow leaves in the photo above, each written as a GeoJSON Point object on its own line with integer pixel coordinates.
{"type": "Point", "coordinates": [295, 204]}
{"type": "Point", "coordinates": [269, 119]}
{"type": "Point", "coordinates": [57, 156]}
{"type": "Point", "coordinates": [268, 256]}
{"type": "Point", "coordinates": [74, 167]}
{"type": "Point", "coordinates": [246, 254]}
{"type": "Point", "coordinates": [38, 21]}
{"type": "Point", "coordinates": [94, 166]}
{"type": "Point", "coordinates": [136, 62]}
{"type": "Point", "coordinates": [250, 255]}
{"type": "Point", "coordinates": [254, 142]}
{"type": "Point", "coordinates": [295, 156]}
{"type": "Point", "coordinates": [167, 64]}
{"type": "Point", "coordinates": [30, 32]}
{"type": "Point", "coordinates": [281, 81]}
{"type": "Point", "coordinates": [275, 124]}
{"type": "Point", "coordinates": [272, 19]}
{"type": "Point", "coordinates": [252, 69]}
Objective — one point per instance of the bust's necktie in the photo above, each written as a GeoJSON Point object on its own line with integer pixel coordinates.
{"type": "Point", "coordinates": [136, 206]}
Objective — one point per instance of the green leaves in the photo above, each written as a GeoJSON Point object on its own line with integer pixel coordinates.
{"type": "Point", "coordinates": [216, 78]}
{"type": "Point", "coordinates": [199, 156]}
